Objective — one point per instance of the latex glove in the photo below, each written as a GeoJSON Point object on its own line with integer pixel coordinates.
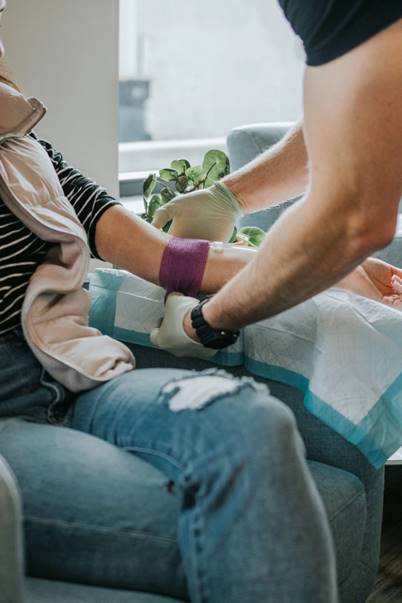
{"type": "Point", "coordinates": [170, 336]}
{"type": "Point", "coordinates": [204, 214]}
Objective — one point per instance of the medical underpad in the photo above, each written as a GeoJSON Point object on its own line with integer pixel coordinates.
{"type": "Point", "coordinates": [342, 350]}
{"type": "Point", "coordinates": [126, 307]}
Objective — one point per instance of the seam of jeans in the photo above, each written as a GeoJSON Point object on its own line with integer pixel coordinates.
{"type": "Point", "coordinates": [95, 528]}
{"type": "Point", "coordinates": [190, 464]}
{"type": "Point", "coordinates": [197, 532]}
{"type": "Point", "coordinates": [49, 385]}
{"type": "Point", "coordinates": [164, 455]}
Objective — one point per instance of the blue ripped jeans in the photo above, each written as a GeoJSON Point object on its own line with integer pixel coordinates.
{"type": "Point", "coordinates": [251, 527]}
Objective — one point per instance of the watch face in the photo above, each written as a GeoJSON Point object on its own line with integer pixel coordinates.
{"type": "Point", "coordinates": [227, 338]}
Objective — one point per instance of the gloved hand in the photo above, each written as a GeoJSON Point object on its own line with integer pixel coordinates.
{"type": "Point", "coordinates": [204, 214]}
{"type": "Point", "coordinates": [170, 336]}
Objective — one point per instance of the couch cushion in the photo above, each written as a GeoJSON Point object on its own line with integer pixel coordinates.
{"type": "Point", "coordinates": [345, 502]}
{"type": "Point", "coordinates": [49, 591]}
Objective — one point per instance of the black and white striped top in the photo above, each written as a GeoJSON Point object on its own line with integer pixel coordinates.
{"type": "Point", "coordinates": [21, 251]}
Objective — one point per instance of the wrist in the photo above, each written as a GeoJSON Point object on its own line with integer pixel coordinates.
{"type": "Point", "coordinates": [210, 337]}
{"type": "Point", "coordinates": [223, 191]}
{"type": "Point", "coordinates": [188, 327]}
{"type": "Point", "coordinates": [217, 319]}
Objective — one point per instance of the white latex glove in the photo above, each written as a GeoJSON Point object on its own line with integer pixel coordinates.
{"type": "Point", "coordinates": [170, 336]}
{"type": "Point", "coordinates": [205, 214]}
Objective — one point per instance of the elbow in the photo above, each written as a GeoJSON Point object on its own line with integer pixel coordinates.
{"type": "Point", "coordinates": [367, 234]}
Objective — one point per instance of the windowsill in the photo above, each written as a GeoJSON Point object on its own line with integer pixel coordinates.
{"type": "Point", "coordinates": [134, 203]}
{"type": "Point", "coordinates": [148, 156]}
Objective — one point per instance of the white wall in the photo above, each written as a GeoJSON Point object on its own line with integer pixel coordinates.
{"type": "Point", "coordinates": [65, 52]}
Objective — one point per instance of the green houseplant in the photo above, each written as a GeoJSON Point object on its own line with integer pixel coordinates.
{"type": "Point", "coordinates": [182, 178]}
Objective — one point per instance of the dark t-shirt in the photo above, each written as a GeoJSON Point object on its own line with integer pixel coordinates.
{"type": "Point", "coordinates": [330, 28]}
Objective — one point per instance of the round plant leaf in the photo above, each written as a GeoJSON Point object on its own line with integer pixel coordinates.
{"type": "Point", "coordinates": [149, 185]}
{"type": "Point", "coordinates": [233, 237]}
{"type": "Point", "coordinates": [182, 183]}
{"type": "Point", "coordinates": [180, 165]}
{"type": "Point", "coordinates": [252, 234]}
{"type": "Point", "coordinates": [216, 166]}
{"type": "Point", "coordinates": [167, 195]}
{"type": "Point", "coordinates": [196, 174]}
{"type": "Point", "coordinates": [168, 174]}
{"type": "Point", "coordinates": [153, 205]}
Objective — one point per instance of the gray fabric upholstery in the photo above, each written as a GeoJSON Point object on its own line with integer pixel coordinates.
{"type": "Point", "coordinates": [246, 143]}
{"type": "Point", "coordinates": [11, 554]}
{"type": "Point", "coordinates": [47, 591]}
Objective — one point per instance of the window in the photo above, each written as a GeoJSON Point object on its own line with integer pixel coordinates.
{"type": "Point", "coordinates": [191, 70]}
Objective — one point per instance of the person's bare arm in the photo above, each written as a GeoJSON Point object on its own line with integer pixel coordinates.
{"type": "Point", "coordinates": [353, 131]}
{"type": "Point", "coordinates": [127, 241]}
{"type": "Point", "coordinates": [278, 174]}
{"type": "Point", "coordinates": [275, 176]}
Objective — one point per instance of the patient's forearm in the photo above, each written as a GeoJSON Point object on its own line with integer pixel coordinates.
{"type": "Point", "coordinates": [127, 241]}
{"type": "Point", "coordinates": [275, 176]}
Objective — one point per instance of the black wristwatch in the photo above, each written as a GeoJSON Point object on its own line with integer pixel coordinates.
{"type": "Point", "coordinates": [209, 337]}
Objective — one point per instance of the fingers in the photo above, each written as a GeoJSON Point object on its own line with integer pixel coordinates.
{"type": "Point", "coordinates": [396, 282]}
{"type": "Point", "coordinates": [396, 272]}
{"type": "Point", "coordinates": [163, 215]}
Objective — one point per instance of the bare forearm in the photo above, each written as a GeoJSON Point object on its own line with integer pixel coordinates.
{"type": "Point", "coordinates": [127, 241]}
{"type": "Point", "coordinates": [275, 176]}
{"type": "Point", "coordinates": [303, 254]}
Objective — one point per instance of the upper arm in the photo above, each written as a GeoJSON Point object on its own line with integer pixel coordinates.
{"type": "Point", "coordinates": [353, 131]}
{"type": "Point", "coordinates": [89, 200]}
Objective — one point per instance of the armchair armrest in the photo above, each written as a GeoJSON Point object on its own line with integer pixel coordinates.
{"type": "Point", "coordinates": [11, 549]}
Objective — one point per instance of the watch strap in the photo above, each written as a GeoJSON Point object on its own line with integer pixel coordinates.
{"type": "Point", "coordinates": [209, 337]}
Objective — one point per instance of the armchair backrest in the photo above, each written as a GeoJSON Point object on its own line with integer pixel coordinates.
{"type": "Point", "coordinates": [244, 144]}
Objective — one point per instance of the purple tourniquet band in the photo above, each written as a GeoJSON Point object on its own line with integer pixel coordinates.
{"type": "Point", "coordinates": [183, 265]}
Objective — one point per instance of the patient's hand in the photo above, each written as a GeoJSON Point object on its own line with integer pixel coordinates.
{"type": "Point", "coordinates": [376, 280]}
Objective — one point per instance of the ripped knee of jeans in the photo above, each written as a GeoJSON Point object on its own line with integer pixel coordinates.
{"type": "Point", "coordinates": [200, 388]}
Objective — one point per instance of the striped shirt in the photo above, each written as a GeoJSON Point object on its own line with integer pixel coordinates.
{"type": "Point", "coordinates": [21, 251]}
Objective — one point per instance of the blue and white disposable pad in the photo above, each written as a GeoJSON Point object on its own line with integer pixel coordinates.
{"type": "Point", "coordinates": [126, 307]}
{"type": "Point", "coordinates": [342, 350]}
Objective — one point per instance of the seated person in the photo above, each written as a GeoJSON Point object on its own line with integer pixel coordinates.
{"type": "Point", "coordinates": [224, 454]}
{"type": "Point", "coordinates": [226, 459]}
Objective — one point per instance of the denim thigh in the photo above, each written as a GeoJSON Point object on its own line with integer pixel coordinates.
{"type": "Point", "coordinates": [93, 513]}
{"type": "Point", "coordinates": [26, 389]}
